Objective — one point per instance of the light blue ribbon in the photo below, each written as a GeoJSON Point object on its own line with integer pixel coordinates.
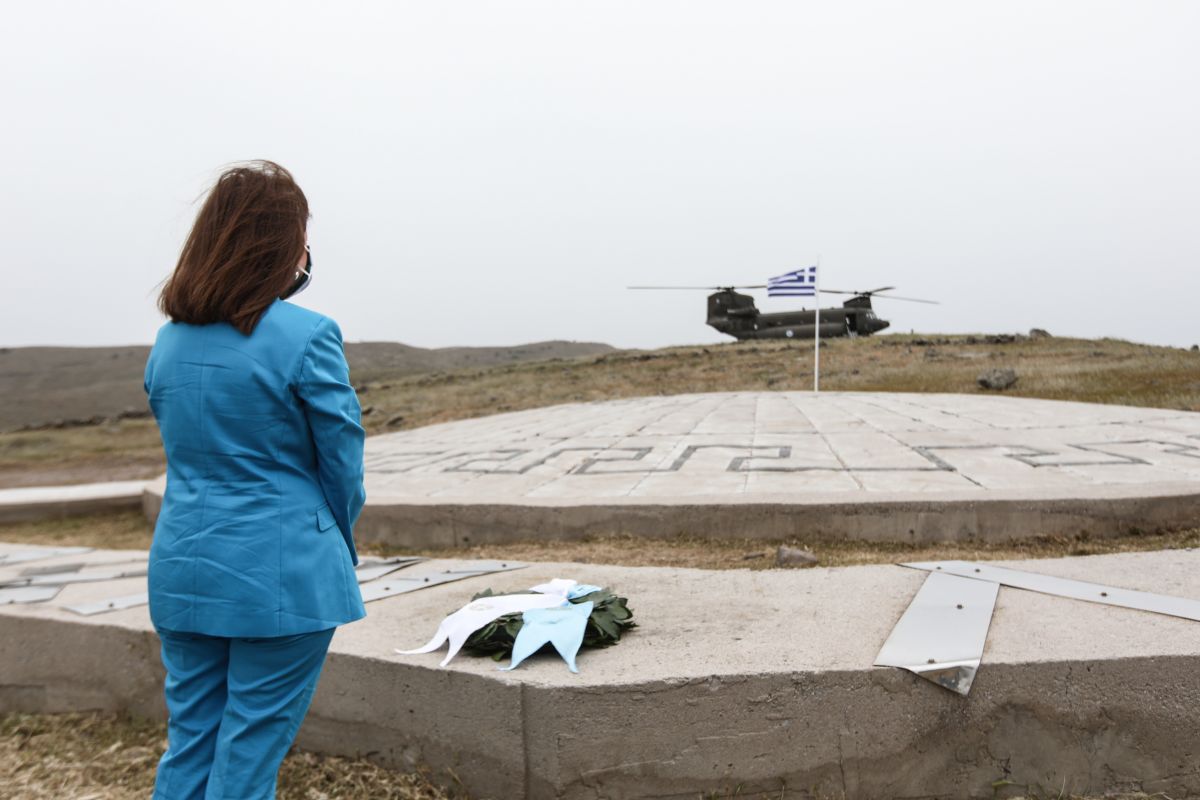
{"type": "Point", "coordinates": [562, 627]}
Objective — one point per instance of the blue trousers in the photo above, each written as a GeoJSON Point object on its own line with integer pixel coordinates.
{"type": "Point", "coordinates": [235, 706]}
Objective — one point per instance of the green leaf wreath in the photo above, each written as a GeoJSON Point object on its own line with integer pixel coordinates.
{"type": "Point", "coordinates": [610, 618]}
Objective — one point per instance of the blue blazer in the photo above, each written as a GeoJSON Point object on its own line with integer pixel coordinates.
{"type": "Point", "coordinates": [264, 450]}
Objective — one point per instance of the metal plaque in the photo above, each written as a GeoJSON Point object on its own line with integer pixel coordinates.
{"type": "Point", "coordinates": [481, 567]}
{"type": "Point", "coordinates": [941, 634]}
{"type": "Point", "coordinates": [63, 578]}
{"type": "Point", "coordinates": [27, 594]}
{"type": "Point", "coordinates": [52, 569]}
{"type": "Point", "coordinates": [370, 575]}
{"type": "Point", "coordinates": [389, 587]}
{"type": "Point", "coordinates": [370, 570]}
{"type": "Point", "coordinates": [112, 604]}
{"type": "Point", "coordinates": [23, 556]}
{"type": "Point", "coordinates": [1184, 607]}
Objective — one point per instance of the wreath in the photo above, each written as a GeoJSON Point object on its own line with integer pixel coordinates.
{"type": "Point", "coordinates": [610, 618]}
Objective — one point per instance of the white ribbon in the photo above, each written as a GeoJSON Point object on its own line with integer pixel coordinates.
{"type": "Point", "coordinates": [459, 626]}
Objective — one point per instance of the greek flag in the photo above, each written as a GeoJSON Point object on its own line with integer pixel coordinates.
{"type": "Point", "coordinates": [799, 283]}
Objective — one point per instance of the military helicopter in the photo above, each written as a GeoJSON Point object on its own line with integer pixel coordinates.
{"type": "Point", "coordinates": [735, 314]}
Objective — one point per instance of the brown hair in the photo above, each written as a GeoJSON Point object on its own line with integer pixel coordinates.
{"type": "Point", "coordinates": [242, 251]}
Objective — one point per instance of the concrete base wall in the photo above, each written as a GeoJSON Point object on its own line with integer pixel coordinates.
{"type": "Point", "coordinates": [875, 733]}
{"type": "Point", "coordinates": [451, 525]}
{"type": "Point", "coordinates": [46, 507]}
{"type": "Point", "coordinates": [422, 525]}
{"type": "Point", "coordinates": [56, 666]}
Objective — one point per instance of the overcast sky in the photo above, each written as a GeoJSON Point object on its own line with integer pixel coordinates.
{"type": "Point", "coordinates": [495, 173]}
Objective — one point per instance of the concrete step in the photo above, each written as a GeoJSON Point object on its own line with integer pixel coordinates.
{"type": "Point", "coordinates": [46, 502]}
{"type": "Point", "coordinates": [758, 680]}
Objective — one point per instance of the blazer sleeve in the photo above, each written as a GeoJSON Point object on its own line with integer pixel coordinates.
{"type": "Point", "coordinates": [335, 419]}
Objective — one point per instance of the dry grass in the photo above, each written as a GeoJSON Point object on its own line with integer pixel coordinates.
{"type": "Point", "coordinates": [119, 530]}
{"type": "Point", "coordinates": [129, 530]}
{"type": "Point", "coordinates": [112, 451]}
{"type": "Point", "coordinates": [1100, 371]}
{"type": "Point", "coordinates": [702, 553]}
{"type": "Point", "coordinates": [98, 756]}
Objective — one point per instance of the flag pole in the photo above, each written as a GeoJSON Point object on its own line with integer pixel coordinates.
{"type": "Point", "coordinates": [817, 331]}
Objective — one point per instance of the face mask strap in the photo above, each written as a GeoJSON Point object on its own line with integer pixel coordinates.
{"type": "Point", "coordinates": [303, 275]}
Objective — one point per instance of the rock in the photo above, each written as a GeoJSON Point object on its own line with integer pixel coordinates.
{"type": "Point", "coordinates": [998, 379]}
{"type": "Point", "coordinates": [1196, 348]}
{"type": "Point", "coordinates": [794, 557]}
{"type": "Point", "coordinates": [368, 411]}
{"type": "Point", "coordinates": [396, 420]}
{"type": "Point", "coordinates": [1039, 333]}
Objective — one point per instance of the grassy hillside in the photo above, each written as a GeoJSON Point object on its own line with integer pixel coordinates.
{"type": "Point", "coordinates": [1099, 371]}
{"type": "Point", "coordinates": [47, 385]}
{"type": "Point", "coordinates": [394, 398]}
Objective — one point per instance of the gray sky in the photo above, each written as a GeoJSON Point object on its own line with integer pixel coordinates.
{"type": "Point", "coordinates": [494, 173]}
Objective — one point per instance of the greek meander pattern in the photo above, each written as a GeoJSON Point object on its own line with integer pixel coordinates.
{"type": "Point", "coordinates": [518, 461]}
{"type": "Point", "coordinates": [787, 442]}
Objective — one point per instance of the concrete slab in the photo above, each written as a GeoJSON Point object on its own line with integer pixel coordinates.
{"type": "Point", "coordinates": [45, 502]}
{"type": "Point", "coordinates": [757, 680]}
{"type": "Point", "coordinates": [906, 467]}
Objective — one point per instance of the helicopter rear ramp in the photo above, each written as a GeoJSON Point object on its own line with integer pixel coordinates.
{"type": "Point", "coordinates": [772, 465]}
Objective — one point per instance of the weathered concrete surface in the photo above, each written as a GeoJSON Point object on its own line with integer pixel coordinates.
{"type": "Point", "coordinates": [44, 502]}
{"type": "Point", "coordinates": [900, 467]}
{"type": "Point", "coordinates": [761, 680]}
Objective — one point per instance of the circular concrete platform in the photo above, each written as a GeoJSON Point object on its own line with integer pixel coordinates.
{"type": "Point", "coordinates": [910, 467]}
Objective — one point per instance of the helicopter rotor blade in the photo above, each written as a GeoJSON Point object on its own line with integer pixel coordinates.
{"type": "Point", "coordinates": [867, 293]}
{"type": "Point", "coordinates": [909, 299]}
{"type": "Point", "coordinates": [876, 293]}
{"type": "Point", "coordinates": [704, 288]}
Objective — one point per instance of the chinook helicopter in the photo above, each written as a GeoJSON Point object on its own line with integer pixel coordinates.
{"type": "Point", "coordinates": [735, 314]}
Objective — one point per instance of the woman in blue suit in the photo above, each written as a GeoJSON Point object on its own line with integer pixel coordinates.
{"type": "Point", "coordinates": [252, 565]}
